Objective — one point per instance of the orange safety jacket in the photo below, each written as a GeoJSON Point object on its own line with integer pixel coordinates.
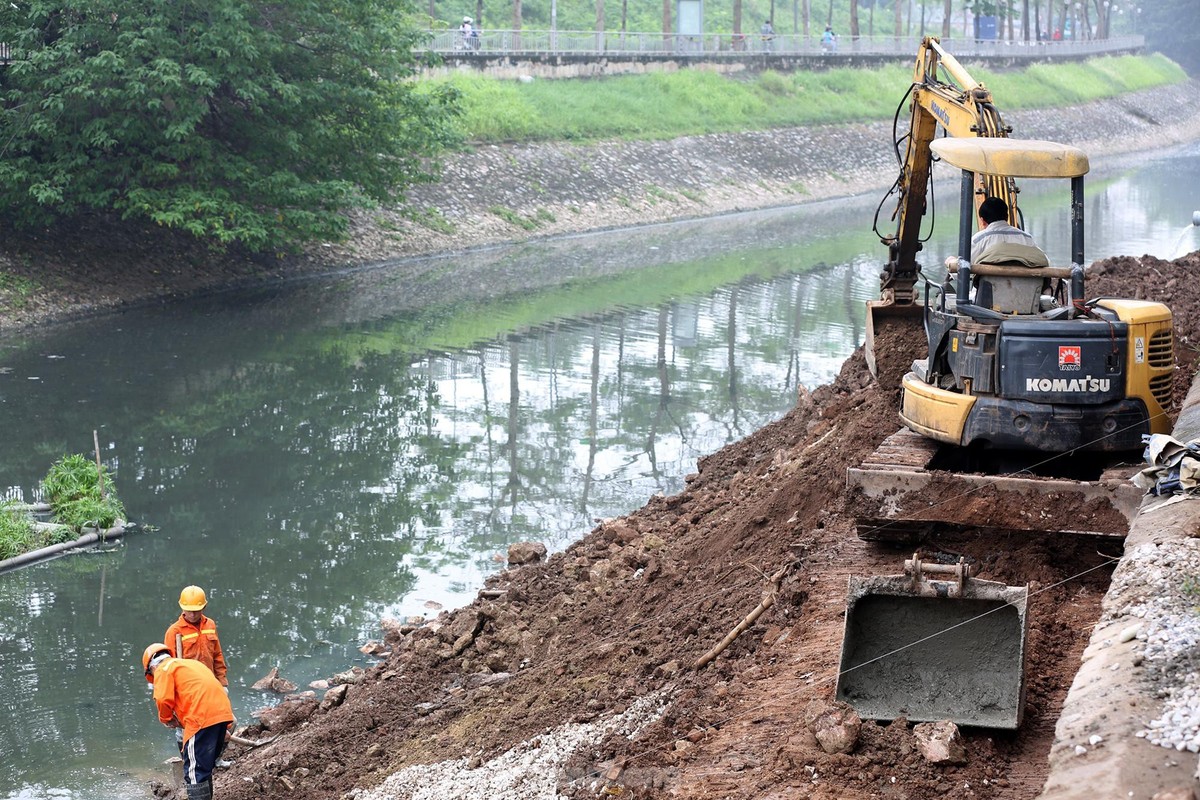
{"type": "Point", "coordinates": [186, 691]}
{"type": "Point", "coordinates": [200, 643]}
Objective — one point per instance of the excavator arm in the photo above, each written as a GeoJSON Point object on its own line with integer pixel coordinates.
{"type": "Point", "coordinates": [962, 108]}
{"type": "Point", "coordinates": [965, 109]}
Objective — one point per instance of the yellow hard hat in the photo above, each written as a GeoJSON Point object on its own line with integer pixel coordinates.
{"type": "Point", "coordinates": [148, 655]}
{"type": "Point", "coordinates": [192, 598]}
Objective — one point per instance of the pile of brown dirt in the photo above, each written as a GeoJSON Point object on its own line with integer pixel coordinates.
{"type": "Point", "coordinates": [629, 608]}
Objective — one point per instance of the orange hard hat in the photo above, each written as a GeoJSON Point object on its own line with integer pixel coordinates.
{"type": "Point", "coordinates": [148, 655]}
{"type": "Point", "coordinates": [192, 598]}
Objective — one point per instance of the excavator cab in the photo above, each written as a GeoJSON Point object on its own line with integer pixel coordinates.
{"type": "Point", "coordinates": [1011, 367]}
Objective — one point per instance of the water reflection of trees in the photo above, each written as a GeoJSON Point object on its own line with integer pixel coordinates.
{"type": "Point", "coordinates": [603, 411]}
{"type": "Point", "coordinates": [308, 487]}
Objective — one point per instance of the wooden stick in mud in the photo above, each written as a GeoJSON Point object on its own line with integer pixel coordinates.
{"type": "Point", "coordinates": [99, 469]}
{"type": "Point", "coordinates": [251, 742]}
{"type": "Point", "coordinates": [768, 600]}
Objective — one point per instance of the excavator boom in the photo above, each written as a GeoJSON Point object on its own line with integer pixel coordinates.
{"type": "Point", "coordinates": [960, 109]}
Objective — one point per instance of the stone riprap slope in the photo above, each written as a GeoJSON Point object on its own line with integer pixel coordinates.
{"type": "Point", "coordinates": [510, 192]}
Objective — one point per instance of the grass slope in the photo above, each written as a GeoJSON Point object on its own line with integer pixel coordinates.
{"type": "Point", "coordinates": [691, 102]}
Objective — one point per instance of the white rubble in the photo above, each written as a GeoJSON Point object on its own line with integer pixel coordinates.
{"type": "Point", "coordinates": [529, 771]}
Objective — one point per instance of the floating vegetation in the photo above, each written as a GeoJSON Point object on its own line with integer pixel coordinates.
{"type": "Point", "coordinates": [81, 494]}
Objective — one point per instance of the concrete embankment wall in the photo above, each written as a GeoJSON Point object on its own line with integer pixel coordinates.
{"type": "Point", "coordinates": [1130, 727]}
{"type": "Point", "coordinates": [580, 65]}
{"type": "Point", "coordinates": [563, 188]}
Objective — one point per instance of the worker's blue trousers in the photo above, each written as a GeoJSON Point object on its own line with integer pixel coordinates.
{"type": "Point", "coordinates": [200, 753]}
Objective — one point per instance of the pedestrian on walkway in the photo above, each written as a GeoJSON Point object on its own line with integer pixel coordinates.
{"type": "Point", "coordinates": [829, 40]}
{"type": "Point", "coordinates": [188, 696]}
{"type": "Point", "coordinates": [768, 36]}
{"type": "Point", "coordinates": [465, 30]}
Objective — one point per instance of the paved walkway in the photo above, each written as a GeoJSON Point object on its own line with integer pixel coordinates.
{"type": "Point", "coordinates": [491, 43]}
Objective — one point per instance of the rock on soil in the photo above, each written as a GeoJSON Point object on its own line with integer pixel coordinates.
{"type": "Point", "coordinates": [572, 646]}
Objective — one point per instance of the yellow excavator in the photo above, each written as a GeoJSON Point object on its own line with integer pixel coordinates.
{"type": "Point", "coordinates": [1012, 379]}
{"type": "Point", "coordinates": [1008, 374]}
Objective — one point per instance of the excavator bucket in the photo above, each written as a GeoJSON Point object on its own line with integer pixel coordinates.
{"type": "Point", "coordinates": [895, 336]}
{"type": "Point", "coordinates": [927, 649]}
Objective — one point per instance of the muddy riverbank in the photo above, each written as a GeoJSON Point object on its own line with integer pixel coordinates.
{"type": "Point", "coordinates": [504, 193]}
{"type": "Point", "coordinates": [589, 674]}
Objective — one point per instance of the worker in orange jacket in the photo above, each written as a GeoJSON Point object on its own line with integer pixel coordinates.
{"type": "Point", "coordinates": [188, 696]}
{"type": "Point", "coordinates": [198, 634]}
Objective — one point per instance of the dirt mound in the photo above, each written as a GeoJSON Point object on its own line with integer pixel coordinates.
{"type": "Point", "coordinates": [628, 610]}
{"type": "Point", "coordinates": [1170, 282]}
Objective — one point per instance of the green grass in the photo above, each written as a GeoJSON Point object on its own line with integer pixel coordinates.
{"type": "Point", "coordinates": [430, 218]}
{"type": "Point", "coordinates": [17, 534]}
{"type": "Point", "coordinates": [656, 192]}
{"type": "Point", "coordinates": [81, 494]}
{"type": "Point", "coordinates": [1045, 86]}
{"type": "Point", "coordinates": [513, 218]}
{"type": "Point", "coordinates": [15, 290]}
{"type": "Point", "coordinates": [691, 102]}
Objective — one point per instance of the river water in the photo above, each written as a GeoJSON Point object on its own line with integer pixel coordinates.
{"type": "Point", "coordinates": [324, 454]}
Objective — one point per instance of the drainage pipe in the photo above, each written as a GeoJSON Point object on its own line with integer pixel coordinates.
{"type": "Point", "coordinates": [90, 537]}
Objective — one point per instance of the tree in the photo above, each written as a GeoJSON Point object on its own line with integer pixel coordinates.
{"type": "Point", "coordinates": [233, 120]}
{"type": "Point", "coordinates": [1168, 27]}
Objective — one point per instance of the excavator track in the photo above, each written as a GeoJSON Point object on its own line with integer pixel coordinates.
{"type": "Point", "coordinates": [898, 494]}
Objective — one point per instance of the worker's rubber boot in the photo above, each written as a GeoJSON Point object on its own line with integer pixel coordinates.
{"type": "Point", "coordinates": [200, 791]}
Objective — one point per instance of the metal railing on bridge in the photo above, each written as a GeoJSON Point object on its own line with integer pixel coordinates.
{"type": "Point", "coordinates": [609, 43]}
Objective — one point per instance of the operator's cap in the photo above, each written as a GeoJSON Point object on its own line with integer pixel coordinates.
{"type": "Point", "coordinates": [192, 599]}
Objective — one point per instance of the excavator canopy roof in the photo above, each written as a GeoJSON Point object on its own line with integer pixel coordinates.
{"type": "Point", "coordinates": [1012, 158]}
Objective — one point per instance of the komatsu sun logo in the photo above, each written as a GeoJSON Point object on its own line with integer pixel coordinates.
{"type": "Point", "coordinates": [1070, 358]}
{"type": "Point", "coordinates": [1085, 384]}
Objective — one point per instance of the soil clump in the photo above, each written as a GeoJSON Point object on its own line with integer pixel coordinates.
{"type": "Point", "coordinates": [628, 610]}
